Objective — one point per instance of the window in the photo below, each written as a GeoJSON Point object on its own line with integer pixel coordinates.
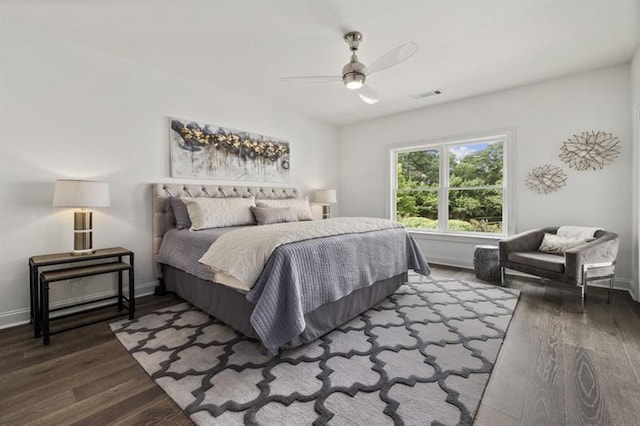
{"type": "Point", "coordinates": [453, 187]}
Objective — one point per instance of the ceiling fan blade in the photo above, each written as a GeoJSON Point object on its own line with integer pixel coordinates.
{"type": "Point", "coordinates": [314, 79]}
{"type": "Point", "coordinates": [368, 95]}
{"type": "Point", "coordinates": [393, 57]}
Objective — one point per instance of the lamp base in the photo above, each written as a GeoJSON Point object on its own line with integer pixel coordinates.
{"type": "Point", "coordinates": [326, 211]}
{"type": "Point", "coordinates": [82, 233]}
{"type": "Point", "coordinates": [82, 252]}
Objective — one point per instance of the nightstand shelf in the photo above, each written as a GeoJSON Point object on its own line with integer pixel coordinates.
{"type": "Point", "coordinates": [40, 283]}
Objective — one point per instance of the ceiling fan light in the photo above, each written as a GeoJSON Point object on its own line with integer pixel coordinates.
{"type": "Point", "coordinates": [353, 81]}
{"type": "Point", "coordinates": [369, 101]}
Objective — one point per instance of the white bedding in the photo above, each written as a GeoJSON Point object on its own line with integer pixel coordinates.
{"type": "Point", "coordinates": [242, 254]}
{"type": "Point", "coordinates": [577, 232]}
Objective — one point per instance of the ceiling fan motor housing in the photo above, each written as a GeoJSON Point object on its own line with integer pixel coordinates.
{"type": "Point", "coordinates": [353, 74]}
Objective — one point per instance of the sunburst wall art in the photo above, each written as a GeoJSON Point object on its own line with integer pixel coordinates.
{"type": "Point", "coordinates": [590, 150]}
{"type": "Point", "coordinates": [546, 179]}
{"type": "Point", "coordinates": [212, 152]}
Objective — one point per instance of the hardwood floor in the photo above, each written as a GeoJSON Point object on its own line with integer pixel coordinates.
{"type": "Point", "coordinates": [556, 367]}
{"type": "Point", "coordinates": [84, 376]}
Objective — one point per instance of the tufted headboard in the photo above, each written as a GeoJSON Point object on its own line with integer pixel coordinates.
{"type": "Point", "coordinates": [163, 218]}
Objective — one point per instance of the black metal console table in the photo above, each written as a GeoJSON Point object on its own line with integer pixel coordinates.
{"type": "Point", "coordinates": [100, 262]}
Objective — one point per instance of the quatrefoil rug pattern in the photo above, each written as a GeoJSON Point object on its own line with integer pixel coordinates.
{"type": "Point", "coordinates": [422, 356]}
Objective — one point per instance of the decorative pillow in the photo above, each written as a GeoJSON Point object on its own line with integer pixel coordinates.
{"type": "Point", "coordinates": [300, 207]}
{"type": "Point", "coordinates": [206, 212]}
{"type": "Point", "coordinates": [558, 245]}
{"type": "Point", "coordinates": [269, 215]}
{"type": "Point", "coordinates": [180, 212]}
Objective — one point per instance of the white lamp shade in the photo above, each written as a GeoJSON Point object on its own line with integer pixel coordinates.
{"type": "Point", "coordinates": [327, 196]}
{"type": "Point", "coordinates": [81, 193]}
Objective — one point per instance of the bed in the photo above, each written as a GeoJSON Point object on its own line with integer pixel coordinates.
{"type": "Point", "coordinates": [305, 288]}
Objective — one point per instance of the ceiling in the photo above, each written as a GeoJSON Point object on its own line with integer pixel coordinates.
{"type": "Point", "coordinates": [466, 47]}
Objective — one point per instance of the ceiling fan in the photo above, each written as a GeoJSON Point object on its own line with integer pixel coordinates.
{"type": "Point", "coordinates": [355, 72]}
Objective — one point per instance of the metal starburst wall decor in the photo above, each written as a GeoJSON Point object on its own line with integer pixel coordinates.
{"type": "Point", "coordinates": [590, 150]}
{"type": "Point", "coordinates": [546, 179]}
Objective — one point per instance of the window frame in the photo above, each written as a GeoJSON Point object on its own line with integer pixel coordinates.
{"type": "Point", "coordinates": [505, 136]}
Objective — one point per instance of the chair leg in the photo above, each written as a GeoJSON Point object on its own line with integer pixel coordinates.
{"type": "Point", "coordinates": [610, 290]}
{"type": "Point", "coordinates": [502, 276]}
{"type": "Point", "coordinates": [583, 289]}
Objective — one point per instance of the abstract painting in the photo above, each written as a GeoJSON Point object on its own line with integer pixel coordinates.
{"type": "Point", "coordinates": [206, 151]}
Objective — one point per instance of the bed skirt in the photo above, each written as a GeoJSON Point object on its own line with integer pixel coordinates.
{"type": "Point", "coordinates": [231, 306]}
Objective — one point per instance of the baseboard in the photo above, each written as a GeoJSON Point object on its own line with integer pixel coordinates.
{"type": "Point", "coordinates": [618, 284]}
{"type": "Point", "coordinates": [21, 316]}
{"type": "Point", "coordinates": [634, 290]}
{"type": "Point", "coordinates": [454, 262]}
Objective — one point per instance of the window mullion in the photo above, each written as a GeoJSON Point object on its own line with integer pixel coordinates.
{"type": "Point", "coordinates": [443, 194]}
{"type": "Point", "coordinates": [393, 202]}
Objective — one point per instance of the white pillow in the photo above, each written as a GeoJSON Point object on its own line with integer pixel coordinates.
{"type": "Point", "coordinates": [300, 207]}
{"type": "Point", "coordinates": [206, 212]}
{"type": "Point", "coordinates": [558, 245]}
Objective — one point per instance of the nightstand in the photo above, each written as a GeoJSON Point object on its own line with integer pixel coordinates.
{"type": "Point", "coordinates": [62, 267]}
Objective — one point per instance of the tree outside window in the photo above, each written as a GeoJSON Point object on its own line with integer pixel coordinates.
{"type": "Point", "coordinates": [453, 187]}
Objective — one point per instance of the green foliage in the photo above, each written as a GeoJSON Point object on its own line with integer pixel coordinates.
{"type": "Point", "coordinates": [459, 225]}
{"type": "Point", "coordinates": [467, 204]}
{"type": "Point", "coordinates": [485, 165]}
{"type": "Point", "coordinates": [420, 168]}
{"type": "Point", "coordinates": [454, 224]}
{"type": "Point", "coordinates": [474, 210]}
{"type": "Point", "coordinates": [406, 205]}
{"type": "Point", "coordinates": [419, 222]}
{"type": "Point", "coordinates": [484, 226]}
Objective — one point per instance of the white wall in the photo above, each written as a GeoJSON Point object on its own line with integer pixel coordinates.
{"type": "Point", "coordinates": [635, 114]}
{"type": "Point", "coordinates": [541, 116]}
{"type": "Point", "coordinates": [69, 111]}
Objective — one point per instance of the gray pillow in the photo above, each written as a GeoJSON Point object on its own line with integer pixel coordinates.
{"type": "Point", "coordinates": [180, 212]}
{"type": "Point", "coordinates": [300, 207]}
{"type": "Point", "coordinates": [269, 215]}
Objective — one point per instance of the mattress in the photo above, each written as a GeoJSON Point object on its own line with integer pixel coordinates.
{"type": "Point", "coordinates": [182, 248]}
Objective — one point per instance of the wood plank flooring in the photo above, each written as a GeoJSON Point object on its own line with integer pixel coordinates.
{"type": "Point", "coordinates": [557, 366]}
{"type": "Point", "coordinates": [83, 377]}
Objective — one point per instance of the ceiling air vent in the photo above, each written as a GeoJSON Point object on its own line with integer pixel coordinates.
{"type": "Point", "coordinates": [425, 94]}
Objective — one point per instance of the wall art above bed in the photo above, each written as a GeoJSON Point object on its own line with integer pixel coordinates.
{"type": "Point", "coordinates": [206, 151]}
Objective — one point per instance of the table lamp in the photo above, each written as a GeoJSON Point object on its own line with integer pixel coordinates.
{"type": "Point", "coordinates": [81, 194]}
{"type": "Point", "coordinates": [326, 197]}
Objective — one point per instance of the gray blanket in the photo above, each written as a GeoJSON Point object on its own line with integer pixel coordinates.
{"type": "Point", "coordinates": [182, 248]}
{"type": "Point", "coordinates": [301, 276]}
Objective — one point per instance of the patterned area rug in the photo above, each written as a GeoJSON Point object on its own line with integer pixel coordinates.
{"type": "Point", "coordinates": [422, 356]}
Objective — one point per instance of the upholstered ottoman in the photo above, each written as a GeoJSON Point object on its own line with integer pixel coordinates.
{"type": "Point", "coordinates": [486, 263]}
